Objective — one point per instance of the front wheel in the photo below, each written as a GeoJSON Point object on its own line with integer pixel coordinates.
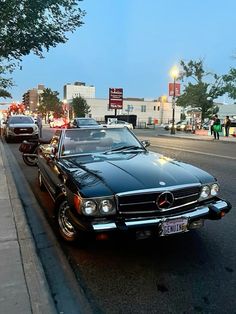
{"type": "Point", "coordinates": [66, 229]}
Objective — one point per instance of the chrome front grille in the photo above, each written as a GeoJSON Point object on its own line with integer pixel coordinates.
{"type": "Point", "coordinates": [26, 130]}
{"type": "Point", "coordinates": [144, 201]}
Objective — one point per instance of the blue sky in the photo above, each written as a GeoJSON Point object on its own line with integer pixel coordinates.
{"type": "Point", "coordinates": [133, 44]}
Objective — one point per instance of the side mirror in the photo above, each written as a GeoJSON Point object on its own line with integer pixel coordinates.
{"type": "Point", "coordinates": [53, 150]}
{"type": "Point", "coordinates": [145, 143]}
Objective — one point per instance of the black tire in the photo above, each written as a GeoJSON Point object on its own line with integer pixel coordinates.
{"type": "Point", "coordinates": [30, 161]}
{"type": "Point", "coordinates": [40, 181]}
{"type": "Point", "coordinates": [66, 229]}
{"type": "Point", "coordinates": [7, 139]}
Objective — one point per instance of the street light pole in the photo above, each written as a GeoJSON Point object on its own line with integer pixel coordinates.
{"type": "Point", "coordinates": [172, 130]}
{"type": "Point", "coordinates": [163, 100]}
{"type": "Point", "coordinates": [174, 74]}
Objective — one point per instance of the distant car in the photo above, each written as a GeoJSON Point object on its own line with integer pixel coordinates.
{"type": "Point", "coordinates": [104, 180]}
{"type": "Point", "coordinates": [84, 123]}
{"type": "Point", "coordinates": [168, 126]}
{"type": "Point", "coordinates": [119, 123]}
{"type": "Point", "coordinates": [58, 123]}
{"type": "Point", "coordinates": [20, 127]}
{"type": "Point", "coordinates": [184, 126]}
{"type": "Point", "coordinates": [206, 125]}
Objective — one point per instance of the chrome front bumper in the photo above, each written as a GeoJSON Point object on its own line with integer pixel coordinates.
{"type": "Point", "coordinates": [210, 211]}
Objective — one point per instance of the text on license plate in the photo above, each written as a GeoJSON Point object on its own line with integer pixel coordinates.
{"type": "Point", "coordinates": [174, 226]}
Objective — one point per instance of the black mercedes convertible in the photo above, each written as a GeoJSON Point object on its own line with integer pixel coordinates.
{"type": "Point", "coordinates": [105, 181]}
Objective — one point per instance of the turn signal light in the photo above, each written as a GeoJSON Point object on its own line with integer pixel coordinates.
{"type": "Point", "coordinates": [77, 203]}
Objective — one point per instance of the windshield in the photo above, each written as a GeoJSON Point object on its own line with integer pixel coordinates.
{"type": "Point", "coordinates": [95, 140]}
{"type": "Point", "coordinates": [87, 122]}
{"type": "Point", "coordinates": [21, 120]}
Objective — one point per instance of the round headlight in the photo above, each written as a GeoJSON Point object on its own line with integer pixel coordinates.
{"type": "Point", "coordinates": [106, 206]}
{"type": "Point", "coordinates": [215, 189]}
{"type": "Point", "coordinates": [89, 207]}
{"type": "Point", "coordinates": [205, 191]}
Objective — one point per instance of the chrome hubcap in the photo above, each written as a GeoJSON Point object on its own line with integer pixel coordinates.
{"type": "Point", "coordinates": [64, 223]}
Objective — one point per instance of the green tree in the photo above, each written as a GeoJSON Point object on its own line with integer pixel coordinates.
{"type": "Point", "coordinates": [230, 83]}
{"type": "Point", "coordinates": [48, 102]}
{"type": "Point", "coordinates": [4, 93]}
{"type": "Point", "coordinates": [200, 91]}
{"type": "Point", "coordinates": [33, 26]}
{"type": "Point", "coordinates": [80, 106]}
{"type": "Point", "coordinates": [5, 83]}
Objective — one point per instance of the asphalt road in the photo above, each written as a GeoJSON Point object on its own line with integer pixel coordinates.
{"type": "Point", "coordinates": [190, 273]}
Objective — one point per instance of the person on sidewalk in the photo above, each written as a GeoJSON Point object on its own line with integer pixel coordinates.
{"type": "Point", "coordinates": [227, 124]}
{"type": "Point", "coordinates": [212, 120]}
{"type": "Point", "coordinates": [40, 124]}
{"type": "Point", "coordinates": [216, 128]}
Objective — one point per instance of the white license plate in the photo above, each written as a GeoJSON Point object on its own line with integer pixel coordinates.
{"type": "Point", "coordinates": [174, 226]}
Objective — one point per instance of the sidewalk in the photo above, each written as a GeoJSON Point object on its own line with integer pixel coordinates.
{"type": "Point", "coordinates": [200, 137]}
{"type": "Point", "coordinates": [23, 286]}
{"type": "Point", "coordinates": [203, 136]}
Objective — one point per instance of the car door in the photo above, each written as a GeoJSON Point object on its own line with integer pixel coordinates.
{"type": "Point", "coordinates": [48, 164]}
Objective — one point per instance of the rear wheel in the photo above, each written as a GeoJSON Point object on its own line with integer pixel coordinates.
{"type": "Point", "coordinates": [66, 229]}
{"type": "Point", "coordinates": [30, 161]}
{"type": "Point", "coordinates": [7, 139]}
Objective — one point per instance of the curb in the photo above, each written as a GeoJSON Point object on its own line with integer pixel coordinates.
{"type": "Point", "coordinates": [59, 279]}
{"type": "Point", "coordinates": [39, 295]}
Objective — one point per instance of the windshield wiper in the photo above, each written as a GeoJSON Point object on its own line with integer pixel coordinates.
{"type": "Point", "coordinates": [124, 148]}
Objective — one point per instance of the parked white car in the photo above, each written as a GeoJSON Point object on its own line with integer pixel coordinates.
{"type": "Point", "coordinates": [20, 127]}
{"type": "Point", "coordinates": [119, 123]}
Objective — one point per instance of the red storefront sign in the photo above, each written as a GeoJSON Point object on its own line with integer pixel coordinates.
{"type": "Point", "coordinates": [115, 98]}
{"type": "Point", "coordinates": [176, 87]}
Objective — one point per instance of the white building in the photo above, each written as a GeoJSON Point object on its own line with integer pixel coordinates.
{"type": "Point", "coordinates": [147, 111]}
{"type": "Point", "coordinates": [78, 89]}
{"type": "Point", "coordinates": [226, 110]}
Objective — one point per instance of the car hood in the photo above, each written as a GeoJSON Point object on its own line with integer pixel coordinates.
{"type": "Point", "coordinates": [129, 172]}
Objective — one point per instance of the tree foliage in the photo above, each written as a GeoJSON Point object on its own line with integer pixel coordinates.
{"type": "Point", "coordinates": [4, 93]}
{"type": "Point", "coordinates": [5, 83]}
{"type": "Point", "coordinates": [49, 101]}
{"type": "Point", "coordinates": [230, 83]}
{"type": "Point", "coordinates": [80, 106]}
{"type": "Point", "coordinates": [33, 26]}
{"type": "Point", "coordinates": [201, 88]}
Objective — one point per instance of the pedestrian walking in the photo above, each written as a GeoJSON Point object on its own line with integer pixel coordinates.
{"type": "Point", "coordinates": [216, 128]}
{"type": "Point", "coordinates": [227, 124]}
{"type": "Point", "coordinates": [211, 124]}
{"type": "Point", "coordinates": [40, 124]}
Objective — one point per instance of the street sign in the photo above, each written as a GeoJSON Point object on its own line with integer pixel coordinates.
{"type": "Point", "coordinates": [115, 98]}
{"type": "Point", "coordinates": [174, 89]}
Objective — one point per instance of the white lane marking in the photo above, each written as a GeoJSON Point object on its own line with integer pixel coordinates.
{"type": "Point", "coordinates": [193, 151]}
